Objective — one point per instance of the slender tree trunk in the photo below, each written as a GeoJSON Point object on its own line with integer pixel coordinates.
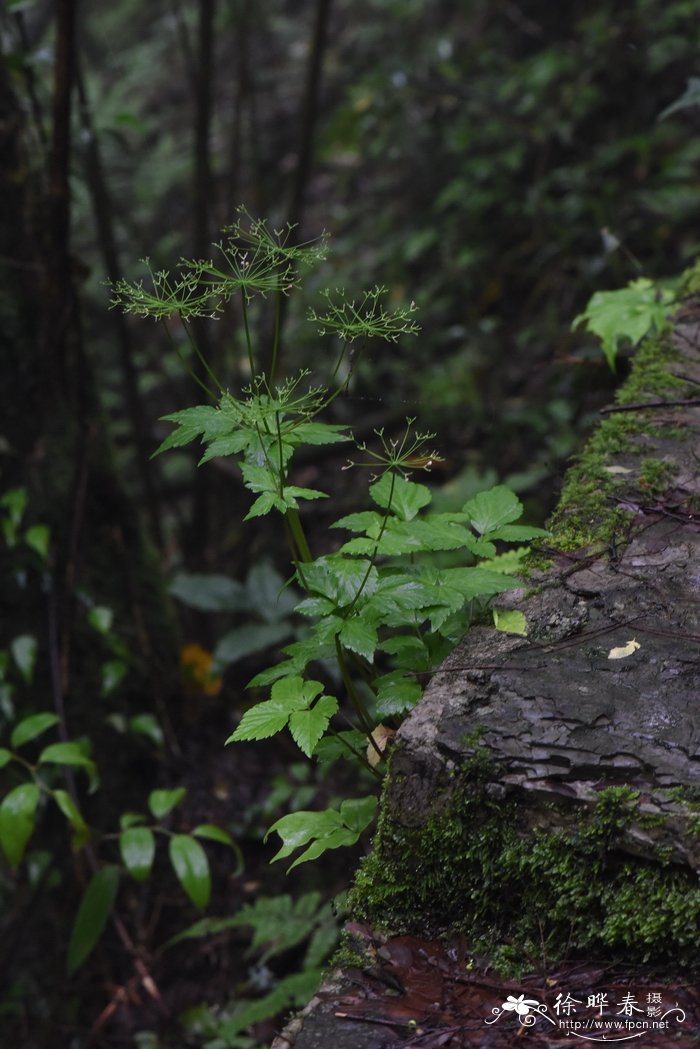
{"type": "Point", "coordinates": [201, 525]}
{"type": "Point", "coordinates": [60, 297]}
{"type": "Point", "coordinates": [309, 111]}
{"type": "Point", "coordinates": [103, 211]}
{"type": "Point", "coordinates": [310, 107]}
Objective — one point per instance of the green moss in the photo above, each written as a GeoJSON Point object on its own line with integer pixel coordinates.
{"type": "Point", "coordinates": [515, 892]}
{"type": "Point", "coordinates": [656, 474]}
{"type": "Point", "coordinates": [651, 378]}
{"type": "Point", "coordinates": [588, 514]}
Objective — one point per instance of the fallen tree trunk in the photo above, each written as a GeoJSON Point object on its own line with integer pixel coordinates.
{"type": "Point", "coordinates": [544, 797]}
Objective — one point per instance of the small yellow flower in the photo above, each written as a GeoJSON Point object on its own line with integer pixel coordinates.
{"type": "Point", "coordinates": [195, 665]}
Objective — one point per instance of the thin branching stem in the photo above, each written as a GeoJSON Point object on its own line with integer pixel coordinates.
{"type": "Point", "coordinates": [356, 701]}
{"type": "Point", "coordinates": [185, 365]}
{"type": "Point", "coordinates": [202, 359]}
{"type": "Point", "coordinates": [276, 339]}
{"type": "Point", "coordinates": [246, 329]}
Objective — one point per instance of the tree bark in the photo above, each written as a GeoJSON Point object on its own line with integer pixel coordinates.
{"type": "Point", "coordinates": [561, 712]}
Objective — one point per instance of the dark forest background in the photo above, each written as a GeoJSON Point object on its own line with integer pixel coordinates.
{"type": "Point", "coordinates": [497, 161]}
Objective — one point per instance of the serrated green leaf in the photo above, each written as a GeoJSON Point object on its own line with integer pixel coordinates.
{"type": "Point", "coordinates": [432, 533]}
{"type": "Point", "coordinates": [341, 579]}
{"type": "Point", "coordinates": [260, 478]}
{"type": "Point", "coordinates": [318, 433]}
{"type": "Point", "coordinates": [296, 692]}
{"type": "Point", "coordinates": [330, 829]}
{"type": "Point", "coordinates": [291, 992]}
{"type": "Point", "coordinates": [137, 846]}
{"type": "Point", "coordinates": [264, 504]}
{"type": "Point", "coordinates": [396, 693]}
{"type": "Point", "coordinates": [410, 653]}
{"type": "Point", "coordinates": [292, 492]}
{"type": "Point", "coordinates": [24, 649]}
{"type": "Point", "coordinates": [189, 861]}
{"type": "Point", "coordinates": [298, 828]}
{"type": "Point", "coordinates": [204, 927]}
{"type": "Point", "coordinates": [518, 533]}
{"type": "Point", "coordinates": [94, 910]}
{"type": "Point", "coordinates": [358, 813]}
{"type": "Point", "coordinates": [229, 444]}
{"type": "Point", "coordinates": [490, 510]}
{"type": "Point", "coordinates": [81, 831]}
{"type": "Point", "coordinates": [289, 694]}
{"type": "Point", "coordinates": [475, 582]}
{"type": "Point", "coordinates": [161, 802]}
{"type": "Point", "coordinates": [31, 727]}
{"type": "Point", "coordinates": [510, 622]}
{"type": "Point", "coordinates": [274, 673]}
{"type": "Point", "coordinates": [368, 521]}
{"type": "Point", "coordinates": [315, 607]}
{"type": "Point", "coordinates": [331, 748]}
{"type": "Point", "coordinates": [628, 313]}
{"type": "Point", "coordinates": [192, 422]}
{"type": "Point", "coordinates": [507, 563]}
{"type": "Point", "coordinates": [261, 721]}
{"type": "Point", "coordinates": [17, 816]}
{"type": "Point", "coordinates": [359, 635]}
{"type": "Point", "coordinates": [38, 538]}
{"type": "Point", "coordinates": [402, 498]}
{"type": "Point", "coordinates": [279, 923]}
{"type": "Point", "coordinates": [321, 945]}
{"type": "Point", "coordinates": [308, 726]}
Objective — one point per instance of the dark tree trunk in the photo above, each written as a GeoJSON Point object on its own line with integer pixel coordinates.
{"type": "Point", "coordinates": [57, 443]}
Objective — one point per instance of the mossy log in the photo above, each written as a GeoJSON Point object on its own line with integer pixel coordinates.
{"type": "Point", "coordinates": [544, 796]}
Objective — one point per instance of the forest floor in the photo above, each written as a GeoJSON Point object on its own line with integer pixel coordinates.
{"type": "Point", "coordinates": [418, 994]}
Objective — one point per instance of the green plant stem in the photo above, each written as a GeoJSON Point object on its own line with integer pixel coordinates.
{"type": "Point", "coordinates": [300, 541]}
{"type": "Point", "coordinates": [185, 365]}
{"type": "Point", "coordinates": [375, 552]}
{"type": "Point", "coordinates": [246, 329]}
{"type": "Point", "coordinates": [276, 340]}
{"type": "Point", "coordinates": [346, 381]}
{"type": "Point", "coordinates": [355, 752]}
{"type": "Point", "coordinates": [202, 359]}
{"type": "Point", "coordinates": [357, 704]}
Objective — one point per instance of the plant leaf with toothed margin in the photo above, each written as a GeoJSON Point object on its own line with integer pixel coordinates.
{"type": "Point", "coordinates": [308, 726]}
